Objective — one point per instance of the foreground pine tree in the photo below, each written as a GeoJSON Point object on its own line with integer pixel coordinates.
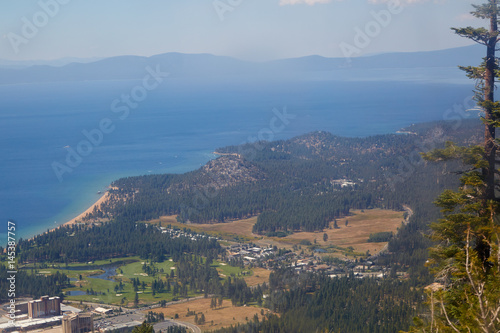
{"type": "Point", "coordinates": [466, 258]}
{"type": "Point", "coordinates": [144, 328]}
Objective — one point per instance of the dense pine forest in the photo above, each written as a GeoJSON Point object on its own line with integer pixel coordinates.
{"type": "Point", "coordinates": [28, 284]}
{"type": "Point", "coordinates": [317, 303]}
{"type": "Point", "coordinates": [121, 238]}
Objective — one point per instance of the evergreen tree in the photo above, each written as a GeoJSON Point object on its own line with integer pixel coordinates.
{"type": "Point", "coordinates": [202, 319]}
{"type": "Point", "coordinates": [466, 259]}
{"type": "Point", "coordinates": [144, 328]}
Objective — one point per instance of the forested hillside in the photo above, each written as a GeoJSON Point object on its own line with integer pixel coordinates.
{"type": "Point", "coordinates": [297, 184]}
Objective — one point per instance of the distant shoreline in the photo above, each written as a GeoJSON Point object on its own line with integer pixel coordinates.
{"type": "Point", "coordinates": [226, 154]}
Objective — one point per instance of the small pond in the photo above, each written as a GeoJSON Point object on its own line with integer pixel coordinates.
{"type": "Point", "coordinates": [109, 272]}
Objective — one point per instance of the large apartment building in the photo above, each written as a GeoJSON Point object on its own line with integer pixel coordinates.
{"type": "Point", "coordinates": [78, 323]}
{"type": "Point", "coordinates": [44, 307]}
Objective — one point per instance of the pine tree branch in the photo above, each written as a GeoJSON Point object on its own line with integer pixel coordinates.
{"type": "Point", "coordinates": [446, 316]}
{"type": "Point", "coordinates": [498, 251]}
{"type": "Point", "coordinates": [495, 316]}
{"type": "Point", "coordinates": [432, 310]}
{"type": "Point", "coordinates": [486, 11]}
{"type": "Point", "coordinates": [465, 171]}
{"type": "Point", "coordinates": [477, 288]}
{"type": "Point", "coordinates": [479, 35]}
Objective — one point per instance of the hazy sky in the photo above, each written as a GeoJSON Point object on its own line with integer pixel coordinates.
{"type": "Point", "coordinates": [246, 29]}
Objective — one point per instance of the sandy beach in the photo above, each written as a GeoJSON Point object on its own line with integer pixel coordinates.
{"type": "Point", "coordinates": [82, 215]}
{"type": "Point", "coordinates": [88, 210]}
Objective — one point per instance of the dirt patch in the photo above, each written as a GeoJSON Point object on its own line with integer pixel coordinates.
{"type": "Point", "coordinates": [224, 316]}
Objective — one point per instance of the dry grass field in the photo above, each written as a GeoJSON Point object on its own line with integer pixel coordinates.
{"type": "Point", "coordinates": [224, 316]}
{"type": "Point", "coordinates": [260, 275]}
{"type": "Point", "coordinates": [361, 225]}
{"type": "Point", "coordinates": [356, 233]}
{"type": "Point", "coordinates": [241, 228]}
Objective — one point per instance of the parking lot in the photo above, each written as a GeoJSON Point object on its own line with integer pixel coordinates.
{"type": "Point", "coordinates": [121, 319]}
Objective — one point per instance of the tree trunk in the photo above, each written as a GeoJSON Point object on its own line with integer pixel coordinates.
{"type": "Point", "coordinates": [489, 89]}
{"type": "Point", "coordinates": [482, 247]}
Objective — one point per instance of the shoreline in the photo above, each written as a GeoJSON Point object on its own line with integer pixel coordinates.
{"type": "Point", "coordinates": [78, 218]}
{"type": "Point", "coordinates": [106, 195]}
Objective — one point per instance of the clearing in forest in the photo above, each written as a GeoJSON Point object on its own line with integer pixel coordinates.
{"type": "Point", "coordinates": [357, 231]}
{"type": "Point", "coordinates": [361, 223]}
{"type": "Point", "coordinates": [223, 316]}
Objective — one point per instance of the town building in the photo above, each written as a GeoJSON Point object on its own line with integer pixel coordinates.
{"type": "Point", "coordinates": [100, 310]}
{"type": "Point", "coordinates": [78, 323]}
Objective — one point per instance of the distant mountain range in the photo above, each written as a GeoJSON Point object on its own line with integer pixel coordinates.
{"type": "Point", "coordinates": [55, 63]}
{"type": "Point", "coordinates": [207, 65]}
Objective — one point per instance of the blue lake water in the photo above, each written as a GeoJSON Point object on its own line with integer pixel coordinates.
{"type": "Point", "coordinates": [177, 126]}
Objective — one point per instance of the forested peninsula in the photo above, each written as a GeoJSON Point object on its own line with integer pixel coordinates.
{"type": "Point", "coordinates": [300, 184]}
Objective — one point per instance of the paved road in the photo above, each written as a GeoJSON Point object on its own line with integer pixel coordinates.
{"type": "Point", "coordinates": [163, 325]}
{"type": "Point", "coordinates": [170, 322]}
{"type": "Point", "coordinates": [192, 327]}
{"type": "Point", "coordinates": [167, 323]}
{"type": "Point", "coordinates": [145, 308]}
{"type": "Point", "coordinates": [95, 305]}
